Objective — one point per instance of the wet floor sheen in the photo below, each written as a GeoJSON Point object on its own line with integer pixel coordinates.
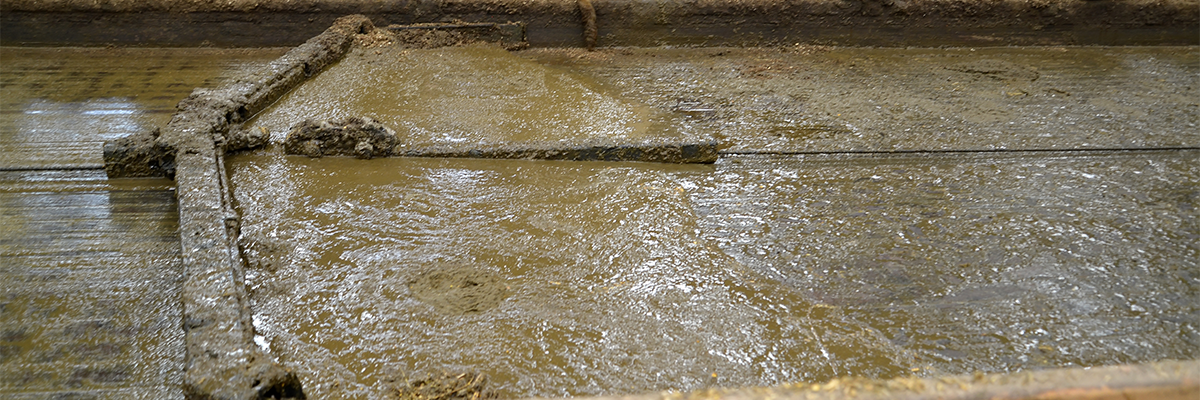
{"type": "Point", "coordinates": [560, 279]}
{"type": "Point", "coordinates": [89, 304]}
{"type": "Point", "coordinates": [59, 105]}
{"type": "Point", "coordinates": [623, 278]}
{"type": "Point", "coordinates": [90, 268]}
{"type": "Point", "coordinates": [608, 285]}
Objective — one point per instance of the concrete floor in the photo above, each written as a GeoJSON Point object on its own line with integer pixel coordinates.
{"type": "Point", "coordinates": [91, 271]}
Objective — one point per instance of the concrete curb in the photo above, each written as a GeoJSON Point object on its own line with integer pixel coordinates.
{"type": "Point", "coordinates": [620, 22]}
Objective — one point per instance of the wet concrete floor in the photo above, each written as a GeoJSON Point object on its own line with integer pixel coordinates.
{"type": "Point", "coordinates": [90, 268]}
{"type": "Point", "coordinates": [802, 255]}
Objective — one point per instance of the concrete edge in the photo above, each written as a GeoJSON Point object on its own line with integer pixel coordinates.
{"type": "Point", "coordinates": [1164, 380]}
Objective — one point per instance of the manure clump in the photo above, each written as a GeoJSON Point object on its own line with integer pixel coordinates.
{"type": "Point", "coordinates": [353, 136]}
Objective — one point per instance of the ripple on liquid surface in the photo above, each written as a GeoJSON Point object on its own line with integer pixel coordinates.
{"type": "Point", "coordinates": [610, 287]}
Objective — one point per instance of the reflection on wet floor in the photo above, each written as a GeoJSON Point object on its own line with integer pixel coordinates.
{"type": "Point", "coordinates": [89, 267]}
{"type": "Point", "coordinates": [59, 105]}
{"type": "Point", "coordinates": [90, 303]}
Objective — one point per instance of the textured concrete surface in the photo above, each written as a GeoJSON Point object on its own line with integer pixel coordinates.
{"type": "Point", "coordinates": [90, 275]}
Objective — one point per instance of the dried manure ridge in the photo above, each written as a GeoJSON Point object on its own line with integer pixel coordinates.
{"type": "Point", "coordinates": [358, 137]}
